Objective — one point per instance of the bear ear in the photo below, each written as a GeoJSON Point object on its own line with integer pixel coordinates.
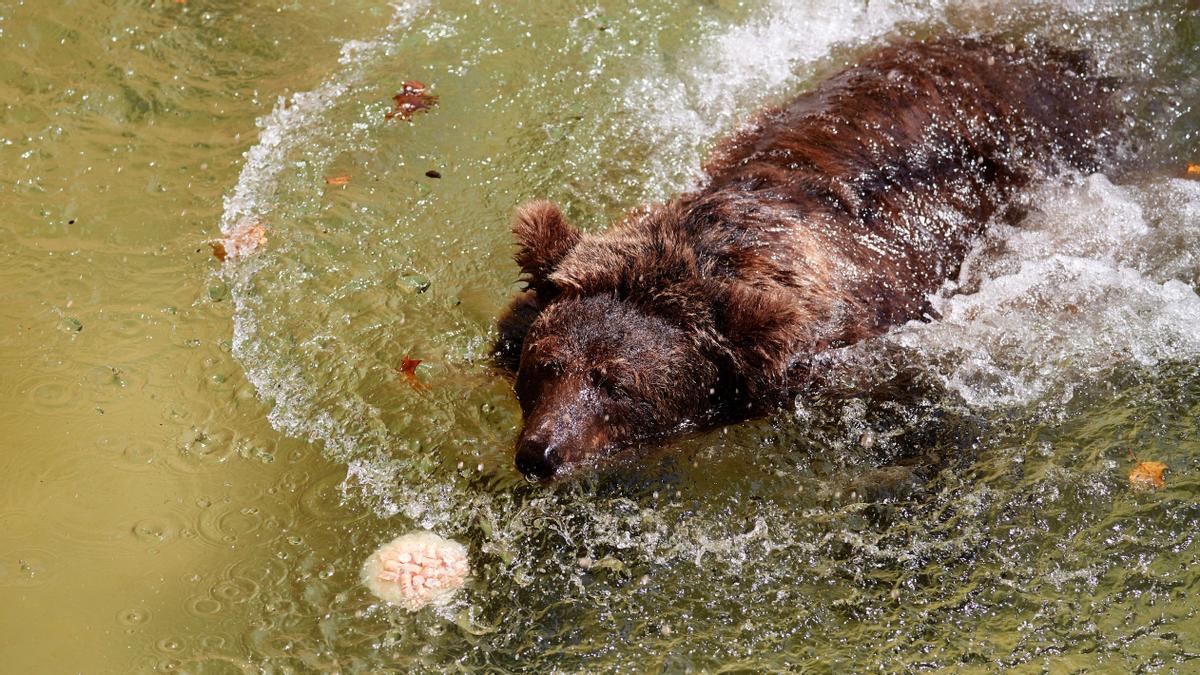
{"type": "Point", "coordinates": [762, 329]}
{"type": "Point", "coordinates": [544, 238]}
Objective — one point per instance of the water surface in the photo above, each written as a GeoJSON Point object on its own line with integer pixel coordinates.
{"type": "Point", "coordinates": [200, 455]}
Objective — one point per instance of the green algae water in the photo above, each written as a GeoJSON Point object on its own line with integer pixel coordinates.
{"type": "Point", "coordinates": [197, 456]}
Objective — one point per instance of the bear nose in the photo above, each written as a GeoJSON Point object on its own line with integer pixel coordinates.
{"type": "Point", "coordinates": [537, 459]}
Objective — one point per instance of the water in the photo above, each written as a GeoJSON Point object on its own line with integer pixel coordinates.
{"type": "Point", "coordinates": [201, 455]}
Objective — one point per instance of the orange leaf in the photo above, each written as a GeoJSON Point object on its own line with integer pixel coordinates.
{"type": "Point", "coordinates": [408, 368]}
{"type": "Point", "coordinates": [1148, 475]}
{"type": "Point", "coordinates": [413, 98]}
{"type": "Point", "coordinates": [337, 180]}
{"type": "Point", "coordinates": [1193, 170]}
{"type": "Point", "coordinates": [243, 240]}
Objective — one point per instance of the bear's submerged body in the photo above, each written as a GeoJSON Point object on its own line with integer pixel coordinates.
{"type": "Point", "coordinates": [825, 222]}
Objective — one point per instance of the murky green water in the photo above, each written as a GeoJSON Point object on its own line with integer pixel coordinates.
{"type": "Point", "coordinates": [197, 457]}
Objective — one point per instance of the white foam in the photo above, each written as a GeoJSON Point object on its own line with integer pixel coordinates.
{"type": "Point", "coordinates": [739, 70]}
{"type": "Point", "coordinates": [294, 125]}
{"type": "Point", "coordinates": [1083, 285]}
{"type": "Point", "coordinates": [1076, 289]}
{"type": "Point", "coordinates": [294, 121]}
{"type": "Point", "coordinates": [734, 71]}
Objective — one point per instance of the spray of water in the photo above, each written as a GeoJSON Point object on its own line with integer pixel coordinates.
{"type": "Point", "coordinates": [1098, 278]}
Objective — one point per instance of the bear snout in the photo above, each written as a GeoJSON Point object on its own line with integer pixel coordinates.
{"type": "Point", "coordinates": [537, 459]}
{"type": "Point", "coordinates": [555, 442]}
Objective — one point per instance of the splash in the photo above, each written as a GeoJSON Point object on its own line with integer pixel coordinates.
{"type": "Point", "coordinates": [300, 119]}
{"type": "Point", "coordinates": [745, 67]}
{"type": "Point", "coordinates": [739, 529]}
{"type": "Point", "coordinates": [1008, 334]}
{"type": "Point", "coordinates": [1098, 276]}
{"type": "Point", "coordinates": [295, 124]}
{"type": "Point", "coordinates": [1085, 284]}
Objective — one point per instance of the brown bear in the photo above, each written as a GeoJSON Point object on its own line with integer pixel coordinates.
{"type": "Point", "coordinates": [826, 221]}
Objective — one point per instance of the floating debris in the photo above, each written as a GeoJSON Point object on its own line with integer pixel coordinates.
{"type": "Point", "coordinates": [243, 240]}
{"type": "Point", "coordinates": [412, 99]}
{"type": "Point", "coordinates": [1148, 475]}
{"type": "Point", "coordinates": [408, 368]}
{"type": "Point", "coordinates": [416, 569]}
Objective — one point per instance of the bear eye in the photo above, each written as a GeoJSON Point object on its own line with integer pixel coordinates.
{"type": "Point", "coordinates": [606, 384]}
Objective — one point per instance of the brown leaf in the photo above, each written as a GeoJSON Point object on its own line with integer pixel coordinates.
{"type": "Point", "coordinates": [408, 368]}
{"type": "Point", "coordinates": [218, 250]}
{"type": "Point", "coordinates": [1148, 475]}
{"type": "Point", "coordinates": [337, 180]}
{"type": "Point", "coordinates": [413, 98]}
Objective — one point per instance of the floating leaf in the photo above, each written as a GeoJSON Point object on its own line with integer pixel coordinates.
{"type": "Point", "coordinates": [413, 98]}
{"type": "Point", "coordinates": [433, 174]}
{"type": "Point", "coordinates": [408, 368]}
{"type": "Point", "coordinates": [1148, 475]}
{"type": "Point", "coordinates": [243, 240]}
{"type": "Point", "coordinates": [337, 180]}
{"type": "Point", "coordinates": [1193, 170]}
{"type": "Point", "coordinates": [74, 325]}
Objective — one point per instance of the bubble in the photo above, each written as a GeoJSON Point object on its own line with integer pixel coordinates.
{"type": "Point", "coordinates": [133, 617]}
{"type": "Point", "coordinates": [201, 448]}
{"type": "Point", "coordinates": [204, 606]}
{"type": "Point", "coordinates": [105, 384]}
{"type": "Point", "coordinates": [240, 522]}
{"type": "Point", "coordinates": [28, 568]}
{"type": "Point", "coordinates": [265, 571]}
{"type": "Point", "coordinates": [235, 590]}
{"type": "Point", "coordinates": [224, 522]}
{"type": "Point", "coordinates": [214, 642]}
{"type": "Point", "coordinates": [154, 530]}
{"type": "Point", "coordinates": [170, 645]}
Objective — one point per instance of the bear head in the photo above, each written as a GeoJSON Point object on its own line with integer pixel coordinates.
{"type": "Point", "coordinates": [627, 337]}
{"type": "Point", "coordinates": [597, 369]}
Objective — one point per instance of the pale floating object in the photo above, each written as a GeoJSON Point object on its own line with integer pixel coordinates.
{"type": "Point", "coordinates": [244, 239]}
{"type": "Point", "coordinates": [416, 569]}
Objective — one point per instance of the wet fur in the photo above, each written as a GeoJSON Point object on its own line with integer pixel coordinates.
{"type": "Point", "coordinates": [823, 222]}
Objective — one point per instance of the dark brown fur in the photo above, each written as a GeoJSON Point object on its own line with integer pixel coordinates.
{"type": "Point", "coordinates": [825, 222]}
